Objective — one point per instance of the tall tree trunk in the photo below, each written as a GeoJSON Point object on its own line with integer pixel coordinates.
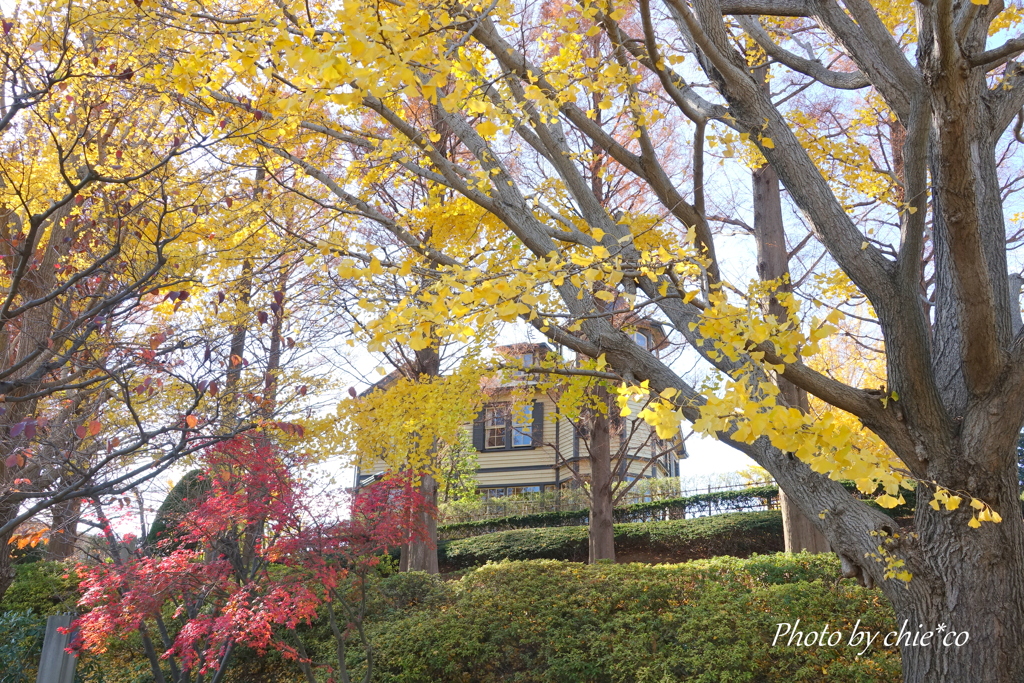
{"type": "Point", "coordinates": [601, 528]}
{"type": "Point", "coordinates": [421, 555]}
{"type": "Point", "coordinates": [7, 572]}
{"type": "Point", "coordinates": [799, 533]}
{"type": "Point", "coordinates": [236, 352]}
{"type": "Point", "coordinates": [63, 530]}
{"type": "Point", "coordinates": [34, 330]}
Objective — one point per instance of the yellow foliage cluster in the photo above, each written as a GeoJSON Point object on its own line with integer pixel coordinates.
{"type": "Point", "coordinates": [382, 77]}
{"type": "Point", "coordinates": [405, 420]}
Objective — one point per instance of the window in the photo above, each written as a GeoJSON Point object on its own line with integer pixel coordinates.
{"type": "Point", "coordinates": [504, 426]}
{"type": "Point", "coordinates": [495, 426]}
{"type": "Point", "coordinates": [522, 427]}
{"type": "Point", "coordinates": [520, 490]}
{"type": "Point", "coordinates": [642, 339]}
{"type": "Point", "coordinates": [527, 361]}
{"type": "Point", "coordinates": [502, 491]}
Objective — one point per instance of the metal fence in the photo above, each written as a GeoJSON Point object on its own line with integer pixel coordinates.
{"type": "Point", "coordinates": [548, 510]}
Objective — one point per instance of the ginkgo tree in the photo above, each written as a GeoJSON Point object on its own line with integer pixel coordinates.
{"type": "Point", "coordinates": [514, 91]}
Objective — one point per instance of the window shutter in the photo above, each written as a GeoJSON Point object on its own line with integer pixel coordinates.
{"type": "Point", "coordinates": [538, 423]}
{"type": "Point", "coordinates": [478, 432]}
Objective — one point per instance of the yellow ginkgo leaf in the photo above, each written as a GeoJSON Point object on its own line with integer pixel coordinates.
{"type": "Point", "coordinates": [486, 128]}
{"type": "Point", "coordinates": [887, 501]}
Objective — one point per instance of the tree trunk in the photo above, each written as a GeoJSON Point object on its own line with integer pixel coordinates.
{"type": "Point", "coordinates": [236, 353]}
{"type": "Point", "coordinates": [979, 590]}
{"type": "Point", "coordinates": [64, 530]}
{"type": "Point", "coordinates": [601, 528]}
{"type": "Point", "coordinates": [799, 532]}
{"type": "Point", "coordinates": [421, 555]}
{"type": "Point", "coordinates": [7, 572]}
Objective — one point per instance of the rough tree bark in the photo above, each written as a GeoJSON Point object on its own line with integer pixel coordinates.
{"type": "Point", "coordinates": [63, 530]}
{"type": "Point", "coordinates": [601, 531]}
{"type": "Point", "coordinates": [420, 555]}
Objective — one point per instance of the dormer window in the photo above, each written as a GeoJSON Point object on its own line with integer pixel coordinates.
{"type": "Point", "coordinates": [642, 339]}
{"type": "Point", "coordinates": [525, 361]}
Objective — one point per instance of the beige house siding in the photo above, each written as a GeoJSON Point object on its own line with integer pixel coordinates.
{"type": "Point", "coordinates": [537, 464]}
{"type": "Point", "coordinates": [525, 466]}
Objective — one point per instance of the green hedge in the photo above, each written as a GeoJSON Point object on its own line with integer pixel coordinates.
{"type": "Point", "coordinates": [708, 621]}
{"type": "Point", "coordinates": [40, 589]}
{"type": "Point", "coordinates": [737, 534]}
{"type": "Point", "coordinates": [45, 587]}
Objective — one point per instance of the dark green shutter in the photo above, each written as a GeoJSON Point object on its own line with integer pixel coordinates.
{"type": "Point", "coordinates": [478, 432]}
{"type": "Point", "coordinates": [538, 424]}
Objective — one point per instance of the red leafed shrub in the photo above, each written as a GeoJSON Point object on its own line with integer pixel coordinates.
{"type": "Point", "coordinates": [254, 556]}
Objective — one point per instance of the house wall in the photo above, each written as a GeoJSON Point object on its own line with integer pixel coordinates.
{"type": "Point", "coordinates": [536, 466]}
{"type": "Point", "coordinates": [533, 466]}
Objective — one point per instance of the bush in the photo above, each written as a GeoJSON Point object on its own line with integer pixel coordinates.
{"type": "Point", "coordinates": [708, 621]}
{"type": "Point", "coordinates": [44, 587]}
{"type": "Point", "coordinates": [181, 499]}
{"type": "Point", "coordinates": [737, 534]}
{"type": "Point", "coordinates": [409, 589]}
{"type": "Point", "coordinates": [21, 642]}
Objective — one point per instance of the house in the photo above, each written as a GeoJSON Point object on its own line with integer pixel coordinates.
{"type": "Point", "coordinates": [524, 445]}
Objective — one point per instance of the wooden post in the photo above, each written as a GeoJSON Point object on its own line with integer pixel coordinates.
{"type": "Point", "coordinates": [56, 665]}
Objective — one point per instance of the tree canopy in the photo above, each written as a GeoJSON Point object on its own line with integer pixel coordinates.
{"type": "Point", "coordinates": [439, 169]}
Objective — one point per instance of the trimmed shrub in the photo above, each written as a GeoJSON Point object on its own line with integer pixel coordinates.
{"type": "Point", "coordinates": [707, 621]}
{"type": "Point", "coordinates": [45, 587]}
{"type": "Point", "coordinates": [738, 534]}
{"type": "Point", "coordinates": [714, 502]}
{"type": "Point", "coordinates": [180, 500]}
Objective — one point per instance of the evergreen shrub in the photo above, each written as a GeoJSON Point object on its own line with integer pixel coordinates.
{"type": "Point", "coordinates": [706, 621]}
{"type": "Point", "coordinates": [739, 534]}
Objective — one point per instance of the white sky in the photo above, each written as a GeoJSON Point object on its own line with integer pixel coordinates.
{"type": "Point", "coordinates": [708, 456]}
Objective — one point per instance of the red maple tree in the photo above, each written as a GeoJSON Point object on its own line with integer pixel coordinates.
{"type": "Point", "coordinates": [247, 564]}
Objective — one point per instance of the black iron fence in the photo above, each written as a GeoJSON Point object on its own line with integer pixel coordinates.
{"type": "Point", "coordinates": [550, 511]}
